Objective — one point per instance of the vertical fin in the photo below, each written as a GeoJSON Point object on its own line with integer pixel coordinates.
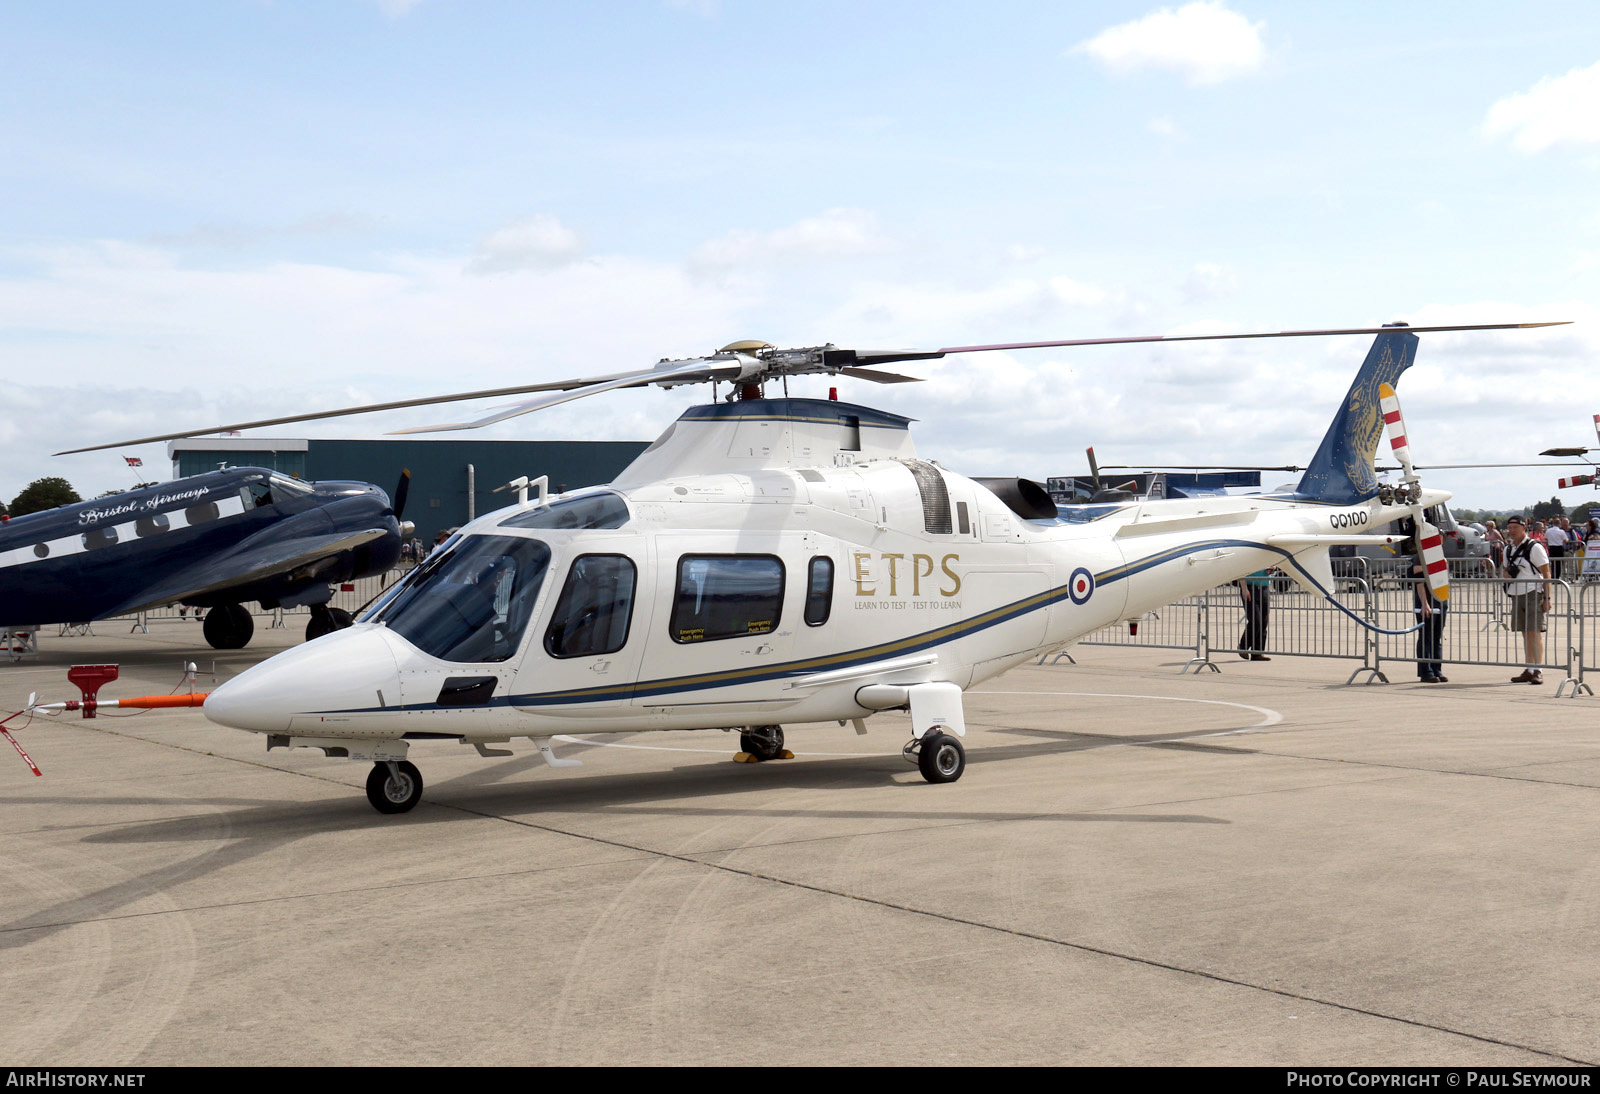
{"type": "Point", "coordinates": [1342, 470]}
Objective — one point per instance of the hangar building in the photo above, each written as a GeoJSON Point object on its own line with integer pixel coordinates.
{"type": "Point", "coordinates": [451, 480]}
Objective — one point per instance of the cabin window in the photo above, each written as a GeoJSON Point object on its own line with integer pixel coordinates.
{"type": "Point", "coordinates": [819, 592]}
{"type": "Point", "coordinates": [594, 609]}
{"type": "Point", "coordinates": [962, 522]}
{"type": "Point", "coordinates": [256, 494]}
{"type": "Point", "coordinates": [152, 525]}
{"type": "Point", "coordinates": [471, 603]}
{"type": "Point", "coordinates": [605, 510]}
{"type": "Point", "coordinates": [726, 596]}
{"type": "Point", "coordinates": [96, 538]}
{"type": "Point", "coordinates": [41, 550]}
{"type": "Point", "coordinates": [200, 514]}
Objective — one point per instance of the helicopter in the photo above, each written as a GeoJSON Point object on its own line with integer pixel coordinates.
{"type": "Point", "coordinates": [777, 559]}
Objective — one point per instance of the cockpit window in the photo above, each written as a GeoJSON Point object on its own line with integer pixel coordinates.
{"type": "Point", "coordinates": [285, 487]}
{"type": "Point", "coordinates": [603, 510]}
{"type": "Point", "coordinates": [471, 603]}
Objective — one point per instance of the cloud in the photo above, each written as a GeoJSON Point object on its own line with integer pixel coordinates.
{"type": "Point", "coordinates": [1204, 42]}
{"type": "Point", "coordinates": [395, 9]}
{"type": "Point", "coordinates": [1206, 282]}
{"type": "Point", "coordinates": [538, 243]}
{"type": "Point", "coordinates": [1164, 127]}
{"type": "Point", "coordinates": [1557, 110]}
{"type": "Point", "coordinates": [836, 233]}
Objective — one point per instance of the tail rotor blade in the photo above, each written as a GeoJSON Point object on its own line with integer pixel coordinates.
{"type": "Point", "coordinates": [1396, 425]}
{"type": "Point", "coordinates": [1433, 562]}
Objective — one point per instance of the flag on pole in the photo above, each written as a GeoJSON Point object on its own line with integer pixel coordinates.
{"type": "Point", "coordinates": [134, 461]}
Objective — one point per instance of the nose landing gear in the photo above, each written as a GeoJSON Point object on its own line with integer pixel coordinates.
{"type": "Point", "coordinates": [394, 786]}
{"type": "Point", "coordinates": [326, 620]}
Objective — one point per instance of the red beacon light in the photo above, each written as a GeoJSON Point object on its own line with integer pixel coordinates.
{"type": "Point", "coordinates": [833, 395]}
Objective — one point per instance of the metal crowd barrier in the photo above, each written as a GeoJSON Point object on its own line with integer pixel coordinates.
{"type": "Point", "coordinates": [1300, 624]}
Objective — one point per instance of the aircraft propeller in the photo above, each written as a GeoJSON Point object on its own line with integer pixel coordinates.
{"type": "Point", "coordinates": [1428, 538]}
{"type": "Point", "coordinates": [747, 365]}
{"type": "Point", "coordinates": [402, 490]}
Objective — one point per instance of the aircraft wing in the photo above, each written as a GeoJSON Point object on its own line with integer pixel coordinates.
{"type": "Point", "coordinates": [248, 564]}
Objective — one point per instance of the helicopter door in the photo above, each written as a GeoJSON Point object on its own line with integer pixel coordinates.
{"type": "Point", "coordinates": [720, 624]}
{"type": "Point", "coordinates": [587, 654]}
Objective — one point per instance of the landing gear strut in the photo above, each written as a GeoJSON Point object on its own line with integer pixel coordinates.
{"type": "Point", "coordinates": [326, 620]}
{"type": "Point", "coordinates": [394, 786]}
{"type": "Point", "coordinates": [764, 743]}
{"type": "Point", "coordinates": [228, 627]}
{"type": "Point", "coordinates": [939, 756]}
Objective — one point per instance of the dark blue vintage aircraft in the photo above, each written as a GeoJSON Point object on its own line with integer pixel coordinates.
{"type": "Point", "coordinates": [209, 541]}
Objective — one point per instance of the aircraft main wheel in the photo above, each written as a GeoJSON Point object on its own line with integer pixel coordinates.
{"type": "Point", "coordinates": [941, 758]}
{"type": "Point", "coordinates": [762, 742]}
{"type": "Point", "coordinates": [229, 627]}
{"type": "Point", "coordinates": [325, 620]}
{"type": "Point", "coordinates": [394, 791]}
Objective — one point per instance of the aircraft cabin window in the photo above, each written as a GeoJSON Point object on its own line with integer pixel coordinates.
{"type": "Point", "coordinates": [200, 514]}
{"type": "Point", "coordinates": [595, 607]}
{"type": "Point", "coordinates": [819, 592]}
{"type": "Point", "coordinates": [726, 596]}
{"type": "Point", "coordinates": [152, 525]}
{"type": "Point", "coordinates": [473, 603]}
{"type": "Point", "coordinates": [96, 538]}
{"type": "Point", "coordinates": [589, 511]}
{"type": "Point", "coordinates": [256, 494]}
{"type": "Point", "coordinates": [41, 550]}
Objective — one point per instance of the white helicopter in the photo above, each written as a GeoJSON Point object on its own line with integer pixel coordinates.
{"type": "Point", "coordinates": [772, 560]}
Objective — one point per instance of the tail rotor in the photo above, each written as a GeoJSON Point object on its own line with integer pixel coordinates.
{"type": "Point", "coordinates": [1409, 493]}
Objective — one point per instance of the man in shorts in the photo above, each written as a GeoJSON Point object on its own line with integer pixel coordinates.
{"type": "Point", "coordinates": [1526, 563]}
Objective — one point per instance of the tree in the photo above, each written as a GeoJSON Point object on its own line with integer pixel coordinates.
{"type": "Point", "coordinates": [41, 494]}
{"type": "Point", "coordinates": [3, 510]}
{"type": "Point", "coordinates": [1544, 510]}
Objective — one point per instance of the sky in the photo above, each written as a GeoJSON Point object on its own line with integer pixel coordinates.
{"type": "Point", "coordinates": [221, 210]}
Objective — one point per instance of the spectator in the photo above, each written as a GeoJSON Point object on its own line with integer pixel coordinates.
{"type": "Point", "coordinates": [1430, 613]}
{"type": "Point", "coordinates": [1256, 592]}
{"type": "Point", "coordinates": [1528, 566]}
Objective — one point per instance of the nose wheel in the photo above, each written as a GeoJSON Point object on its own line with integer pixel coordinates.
{"type": "Point", "coordinates": [394, 787]}
{"type": "Point", "coordinates": [939, 756]}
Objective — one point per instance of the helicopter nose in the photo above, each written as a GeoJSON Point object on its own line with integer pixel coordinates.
{"type": "Point", "coordinates": [340, 673]}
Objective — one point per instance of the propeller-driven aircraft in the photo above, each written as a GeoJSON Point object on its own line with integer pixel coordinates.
{"type": "Point", "coordinates": [772, 560]}
{"type": "Point", "coordinates": [211, 541]}
{"type": "Point", "coordinates": [1578, 450]}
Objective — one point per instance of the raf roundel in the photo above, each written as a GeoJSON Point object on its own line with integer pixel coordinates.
{"type": "Point", "coordinates": [1081, 587]}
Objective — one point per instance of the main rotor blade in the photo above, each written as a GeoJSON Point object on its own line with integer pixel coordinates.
{"type": "Point", "coordinates": [1223, 337]}
{"type": "Point", "coordinates": [880, 377]}
{"type": "Point", "coordinates": [685, 372]}
{"type": "Point", "coordinates": [1564, 451]}
{"type": "Point", "coordinates": [398, 404]}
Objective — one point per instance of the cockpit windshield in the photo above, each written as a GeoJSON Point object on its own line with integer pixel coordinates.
{"type": "Point", "coordinates": [603, 510]}
{"type": "Point", "coordinates": [471, 604]}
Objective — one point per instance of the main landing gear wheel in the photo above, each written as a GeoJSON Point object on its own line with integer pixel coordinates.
{"type": "Point", "coordinates": [228, 627]}
{"type": "Point", "coordinates": [396, 790]}
{"type": "Point", "coordinates": [326, 620]}
{"type": "Point", "coordinates": [762, 742]}
{"type": "Point", "coordinates": [941, 759]}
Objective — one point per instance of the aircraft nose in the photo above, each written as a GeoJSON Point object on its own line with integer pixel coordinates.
{"type": "Point", "coordinates": [348, 670]}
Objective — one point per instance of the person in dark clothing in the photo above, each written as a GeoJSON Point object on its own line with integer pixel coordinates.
{"type": "Point", "coordinates": [1256, 592]}
{"type": "Point", "coordinates": [1430, 613]}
